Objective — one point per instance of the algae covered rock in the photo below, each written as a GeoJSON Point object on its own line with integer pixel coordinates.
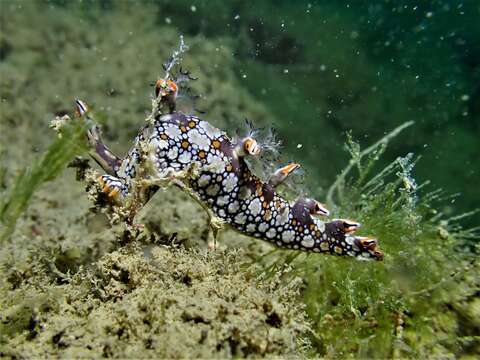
{"type": "Point", "coordinates": [155, 301]}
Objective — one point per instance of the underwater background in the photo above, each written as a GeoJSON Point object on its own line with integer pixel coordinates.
{"type": "Point", "coordinates": [380, 103]}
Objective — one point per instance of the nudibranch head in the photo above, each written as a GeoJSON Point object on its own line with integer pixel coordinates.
{"type": "Point", "coordinates": [166, 87]}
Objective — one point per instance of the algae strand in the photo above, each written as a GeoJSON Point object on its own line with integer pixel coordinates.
{"type": "Point", "coordinates": [58, 154]}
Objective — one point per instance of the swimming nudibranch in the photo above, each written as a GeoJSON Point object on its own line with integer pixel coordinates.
{"type": "Point", "coordinates": [223, 182]}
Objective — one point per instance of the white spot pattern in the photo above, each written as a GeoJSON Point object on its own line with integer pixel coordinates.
{"type": "Point", "coordinates": [172, 153]}
{"type": "Point", "coordinates": [185, 157]}
{"type": "Point", "coordinates": [288, 235]}
{"type": "Point", "coordinates": [198, 139]}
{"type": "Point", "coordinates": [230, 196]}
{"type": "Point", "coordinates": [172, 131]}
{"type": "Point", "coordinates": [255, 207]}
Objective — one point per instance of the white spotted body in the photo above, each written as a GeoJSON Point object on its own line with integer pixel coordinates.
{"type": "Point", "coordinates": [227, 186]}
{"type": "Point", "coordinates": [223, 182]}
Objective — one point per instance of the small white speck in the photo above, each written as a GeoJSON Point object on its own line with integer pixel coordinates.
{"type": "Point", "coordinates": [465, 97]}
{"type": "Point", "coordinates": [323, 67]}
{"type": "Point", "coordinates": [168, 20]}
{"type": "Point", "coordinates": [299, 146]}
{"type": "Point", "coordinates": [244, 76]}
{"type": "Point", "coordinates": [285, 71]}
{"type": "Point", "coordinates": [193, 8]}
{"type": "Point", "coordinates": [237, 17]}
{"type": "Point", "coordinates": [429, 14]}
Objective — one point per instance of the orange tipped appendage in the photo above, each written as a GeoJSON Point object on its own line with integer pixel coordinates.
{"type": "Point", "coordinates": [251, 146]}
{"type": "Point", "coordinates": [320, 209]}
{"type": "Point", "coordinates": [371, 245]}
{"type": "Point", "coordinates": [165, 87]}
{"type": "Point", "coordinates": [110, 191]}
{"type": "Point", "coordinates": [172, 86]}
{"type": "Point", "coordinates": [114, 193]}
{"type": "Point", "coordinates": [289, 168]}
{"type": "Point", "coordinates": [348, 226]}
{"type": "Point", "coordinates": [281, 174]}
{"type": "Point", "coordinates": [80, 108]}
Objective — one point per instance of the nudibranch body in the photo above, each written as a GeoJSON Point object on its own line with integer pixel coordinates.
{"type": "Point", "coordinates": [224, 183]}
{"type": "Point", "coordinates": [191, 153]}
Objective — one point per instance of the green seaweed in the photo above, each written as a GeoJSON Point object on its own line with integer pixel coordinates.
{"type": "Point", "coordinates": [356, 160]}
{"type": "Point", "coordinates": [59, 153]}
{"type": "Point", "coordinates": [372, 309]}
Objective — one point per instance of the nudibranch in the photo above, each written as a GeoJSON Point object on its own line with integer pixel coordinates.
{"type": "Point", "coordinates": [174, 143]}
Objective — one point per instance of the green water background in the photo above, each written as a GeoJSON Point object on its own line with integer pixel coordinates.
{"type": "Point", "coordinates": [324, 68]}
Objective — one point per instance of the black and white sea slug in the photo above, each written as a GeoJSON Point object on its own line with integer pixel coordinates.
{"type": "Point", "coordinates": [175, 143]}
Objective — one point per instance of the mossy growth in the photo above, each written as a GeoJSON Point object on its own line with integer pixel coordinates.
{"type": "Point", "coordinates": [153, 301]}
{"type": "Point", "coordinates": [406, 306]}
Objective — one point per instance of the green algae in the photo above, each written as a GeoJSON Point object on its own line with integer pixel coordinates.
{"type": "Point", "coordinates": [59, 153]}
{"type": "Point", "coordinates": [404, 307]}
